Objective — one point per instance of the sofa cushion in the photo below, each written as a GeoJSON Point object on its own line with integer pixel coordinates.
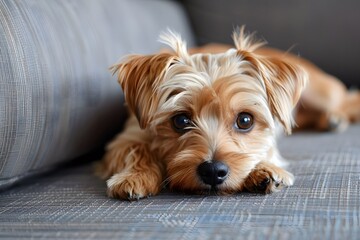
{"type": "Point", "coordinates": [323, 203]}
{"type": "Point", "coordinates": [57, 97]}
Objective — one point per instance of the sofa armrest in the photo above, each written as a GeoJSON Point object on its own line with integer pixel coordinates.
{"type": "Point", "coordinates": [57, 98]}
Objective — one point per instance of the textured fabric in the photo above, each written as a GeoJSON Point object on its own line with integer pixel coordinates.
{"type": "Point", "coordinates": [324, 203]}
{"type": "Point", "coordinates": [326, 32]}
{"type": "Point", "coordinates": [57, 97]}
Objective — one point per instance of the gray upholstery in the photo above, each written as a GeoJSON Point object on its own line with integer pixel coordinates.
{"type": "Point", "coordinates": [323, 203]}
{"type": "Point", "coordinates": [58, 101]}
{"type": "Point", "coordinates": [326, 32]}
{"type": "Point", "coordinates": [57, 97]}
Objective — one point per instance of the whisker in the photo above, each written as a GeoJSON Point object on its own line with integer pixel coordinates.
{"type": "Point", "coordinates": [170, 178]}
{"type": "Point", "coordinates": [186, 173]}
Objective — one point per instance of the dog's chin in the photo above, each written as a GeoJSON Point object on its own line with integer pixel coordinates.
{"type": "Point", "coordinates": [210, 191]}
{"type": "Point", "coordinates": [203, 189]}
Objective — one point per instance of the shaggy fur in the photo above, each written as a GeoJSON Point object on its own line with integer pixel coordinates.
{"type": "Point", "coordinates": [213, 87]}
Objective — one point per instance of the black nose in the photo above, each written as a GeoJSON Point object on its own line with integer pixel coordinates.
{"type": "Point", "coordinates": [213, 173]}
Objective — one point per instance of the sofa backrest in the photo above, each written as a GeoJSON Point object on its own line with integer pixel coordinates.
{"type": "Point", "coordinates": [326, 32]}
{"type": "Point", "coordinates": [58, 100]}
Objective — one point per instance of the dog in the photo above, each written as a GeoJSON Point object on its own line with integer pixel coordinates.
{"type": "Point", "coordinates": [206, 120]}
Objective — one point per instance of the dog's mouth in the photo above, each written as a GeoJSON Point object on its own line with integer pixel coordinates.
{"type": "Point", "coordinates": [214, 191]}
{"type": "Point", "coordinates": [207, 190]}
{"type": "Point", "coordinates": [209, 178]}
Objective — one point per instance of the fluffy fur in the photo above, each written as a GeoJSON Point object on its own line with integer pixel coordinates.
{"type": "Point", "coordinates": [213, 86]}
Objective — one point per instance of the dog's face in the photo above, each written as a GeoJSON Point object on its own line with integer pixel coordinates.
{"type": "Point", "coordinates": [212, 117]}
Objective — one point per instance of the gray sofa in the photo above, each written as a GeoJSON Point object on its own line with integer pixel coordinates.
{"type": "Point", "coordinates": [59, 105]}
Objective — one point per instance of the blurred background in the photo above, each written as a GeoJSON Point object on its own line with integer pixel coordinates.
{"type": "Point", "coordinates": [323, 31]}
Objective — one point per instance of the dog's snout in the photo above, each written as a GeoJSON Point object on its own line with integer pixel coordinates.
{"type": "Point", "coordinates": [213, 173]}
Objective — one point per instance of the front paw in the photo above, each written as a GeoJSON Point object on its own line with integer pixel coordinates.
{"type": "Point", "coordinates": [133, 186]}
{"type": "Point", "coordinates": [268, 178]}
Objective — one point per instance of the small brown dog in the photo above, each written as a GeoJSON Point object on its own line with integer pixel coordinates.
{"type": "Point", "coordinates": [206, 120]}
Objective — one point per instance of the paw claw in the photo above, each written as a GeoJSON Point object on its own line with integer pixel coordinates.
{"type": "Point", "coordinates": [135, 197]}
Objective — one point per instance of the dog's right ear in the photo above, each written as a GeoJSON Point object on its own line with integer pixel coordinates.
{"type": "Point", "coordinates": [139, 77]}
{"type": "Point", "coordinates": [283, 81]}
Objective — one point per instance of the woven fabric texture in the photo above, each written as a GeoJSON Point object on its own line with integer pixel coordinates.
{"type": "Point", "coordinates": [57, 98]}
{"type": "Point", "coordinates": [324, 203]}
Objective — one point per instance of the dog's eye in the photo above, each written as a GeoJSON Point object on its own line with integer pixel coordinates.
{"type": "Point", "coordinates": [181, 122]}
{"type": "Point", "coordinates": [244, 122]}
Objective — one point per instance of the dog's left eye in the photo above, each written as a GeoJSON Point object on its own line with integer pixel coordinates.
{"type": "Point", "coordinates": [244, 122]}
{"type": "Point", "coordinates": [181, 122]}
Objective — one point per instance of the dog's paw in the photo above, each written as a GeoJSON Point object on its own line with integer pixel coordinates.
{"type": "Point", "coordinates": [268, 178]}
{"type": "Point", "coordinates": [337, 123]}
{"type": "Point", "coordinates": [133, 186]}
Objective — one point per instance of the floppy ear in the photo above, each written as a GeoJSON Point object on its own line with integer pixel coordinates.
{"type": "Point", "coordinates": [139, 77]}
{"type": "Point", "coordinates": [284, 83]}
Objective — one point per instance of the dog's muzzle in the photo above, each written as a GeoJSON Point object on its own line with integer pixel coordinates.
{"type": "Point", "coordinates": [213, 173]}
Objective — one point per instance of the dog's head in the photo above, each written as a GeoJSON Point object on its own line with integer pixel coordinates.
{"type": "Point", "coordinates": [212, 116]}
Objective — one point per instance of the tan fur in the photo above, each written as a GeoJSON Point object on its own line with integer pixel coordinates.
{"type": "Point", "coordinates": [212, 85]}
{"type": "Point", "coordinates": [266, 177]}
{"type": "Point", "coordinates": [325, 103]}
